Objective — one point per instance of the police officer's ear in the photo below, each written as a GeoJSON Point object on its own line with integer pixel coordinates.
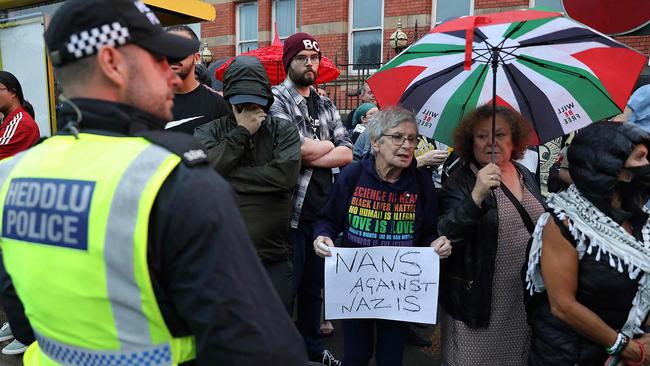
{"type": "Point", "coordinates": [113, 65]}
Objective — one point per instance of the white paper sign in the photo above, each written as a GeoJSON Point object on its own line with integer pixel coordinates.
{"type": "Point", "coordinates": [396, 283]}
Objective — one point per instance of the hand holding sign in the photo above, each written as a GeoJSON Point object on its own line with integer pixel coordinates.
{"type": "Point", "coordinates": [442, 246]}
{"type": "Point", "coordinates": [322, 245]}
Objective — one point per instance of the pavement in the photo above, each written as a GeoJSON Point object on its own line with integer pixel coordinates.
{"type": "Point", "coordinates": [413, 356]}
{"type": "Point", "coordinates": [6, 360]}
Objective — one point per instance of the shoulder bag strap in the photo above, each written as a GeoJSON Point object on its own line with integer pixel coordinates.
{"type": "Point", "coordinates": [522, 211]}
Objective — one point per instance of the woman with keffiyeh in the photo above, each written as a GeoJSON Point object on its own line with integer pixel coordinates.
{"type": "Point", "coordinates": [589, 264]}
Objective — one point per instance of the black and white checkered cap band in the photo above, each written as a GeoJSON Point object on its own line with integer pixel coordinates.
{"type": "Point", "coordinates": [88, 42]}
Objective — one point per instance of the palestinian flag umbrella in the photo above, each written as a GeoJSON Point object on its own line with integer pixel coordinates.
{"type": "Point", "coordinates": [561, 75]}
{"type": "Point", "coordinates": [271, 58]}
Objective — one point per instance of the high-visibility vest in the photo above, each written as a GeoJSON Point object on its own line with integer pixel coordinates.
{"type": "Point", "coordinates": [75, 223]}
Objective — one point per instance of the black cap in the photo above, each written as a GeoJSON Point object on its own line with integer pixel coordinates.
{"type": "Point", "coordinates": [247, 98]}
{"type": "Point", "coordinates": [80, 28]}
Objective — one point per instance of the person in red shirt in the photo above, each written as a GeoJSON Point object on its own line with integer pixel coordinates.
{"type": "Point", "coordinates": [18, 130]}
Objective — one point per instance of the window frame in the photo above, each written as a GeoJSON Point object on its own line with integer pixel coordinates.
{"type": "Point", "coordinates": [531, 4]}
{"type": "Point", "coordinates": [352, 30]}
{"type": "Point", "coordinates": [274, 20]}
{"type": "Point", "coordinates": [434, 10]}
{"type": "Point", "coordinates": [238, 39]}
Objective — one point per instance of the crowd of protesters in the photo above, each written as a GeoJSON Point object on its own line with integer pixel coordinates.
{"type": "Point", "coordinates": [228, 233]}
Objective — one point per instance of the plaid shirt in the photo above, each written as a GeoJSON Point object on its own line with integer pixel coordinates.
{"type": "Point", "coordinates": [292, 106]}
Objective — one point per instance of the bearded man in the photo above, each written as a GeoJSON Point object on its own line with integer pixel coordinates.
{"type": "Point", "coordinates": [325, 147]}
{"type": "Point", "coordinates": [194, 103]}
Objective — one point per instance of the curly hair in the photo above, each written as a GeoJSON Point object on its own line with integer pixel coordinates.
{"type": "Point", "coordinates": [464, 132]}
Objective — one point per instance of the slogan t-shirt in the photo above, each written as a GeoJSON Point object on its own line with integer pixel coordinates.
{"type": "Point", "coordinates": [381, 217]}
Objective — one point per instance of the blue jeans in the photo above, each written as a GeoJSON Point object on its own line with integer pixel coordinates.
{"type": "Point", "coordinates": [309, 278]}
{"type": "Point", "coordinates": [359, 338]}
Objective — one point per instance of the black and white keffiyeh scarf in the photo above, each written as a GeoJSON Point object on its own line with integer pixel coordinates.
{"type": "Point", "coordinates": [595, 231]}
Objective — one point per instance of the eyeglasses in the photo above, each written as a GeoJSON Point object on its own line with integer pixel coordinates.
{"type": "Point", "coordinates": [304, 58]}
{"type": "Point", "coordinates": [399, 140]}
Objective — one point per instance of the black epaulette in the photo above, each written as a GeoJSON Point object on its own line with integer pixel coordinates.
{"type": "Point", "coordinates": [181, 144]}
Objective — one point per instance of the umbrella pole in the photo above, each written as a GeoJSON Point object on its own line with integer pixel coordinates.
{"type": "Point", "coordinates": [495, 64]}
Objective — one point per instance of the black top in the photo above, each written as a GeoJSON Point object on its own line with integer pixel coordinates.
{"type": "Point", "coordinates": [466, 276]}
{"type": "Point", "coordinates": [348, 120]}
{"type": "Point", "coordinates": [195, 108]}
{"type": "Point", "coordinates": [600, 288]}
{"type": "Point", "coordinates": [206, 276]}
{"type": "Point", "coordinates": [262, 169]}
{"type": "Point", "coordinates": [321, 178]}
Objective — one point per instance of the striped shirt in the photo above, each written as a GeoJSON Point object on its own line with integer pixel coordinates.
{"type": "Point", "coordinates": [292, 106]}
{"type": "Point", "coordinates": [18, 132]}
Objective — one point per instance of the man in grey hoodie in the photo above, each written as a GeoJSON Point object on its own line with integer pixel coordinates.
{"type": "Point", "coordinates": [259, 156]}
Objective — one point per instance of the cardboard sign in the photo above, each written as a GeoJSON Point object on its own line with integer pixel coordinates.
{"type": "Point", "coordinates": [395, 283]}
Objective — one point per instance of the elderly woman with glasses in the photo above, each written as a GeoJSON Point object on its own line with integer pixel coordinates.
{"type": "Point", "coordinates": [488, 209]}
{"type": "Point", "coordinates": [389, 180]}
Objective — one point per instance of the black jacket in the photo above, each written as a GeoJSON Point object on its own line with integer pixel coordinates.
{"type": "Point", "coordinates": [262, 168]}
{"type": "Point", "coordinates": [466, 276]}
{"type": "Point", "coordinates": [206, 276]}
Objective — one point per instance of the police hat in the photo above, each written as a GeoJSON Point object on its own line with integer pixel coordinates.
{"type": "Point", "coordinates": [80, 28]}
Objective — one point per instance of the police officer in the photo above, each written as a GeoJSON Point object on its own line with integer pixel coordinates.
{"type": "Point", "coordinates": [122, 245]}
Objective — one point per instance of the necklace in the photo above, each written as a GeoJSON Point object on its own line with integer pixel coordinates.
{"type": "Point", "coordinates": [381, 176]}
{"type": "Point", "coordinates": [385, 177]}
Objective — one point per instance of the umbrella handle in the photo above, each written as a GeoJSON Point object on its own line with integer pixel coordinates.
{"type": "Point", "coordinates": [495, 64]}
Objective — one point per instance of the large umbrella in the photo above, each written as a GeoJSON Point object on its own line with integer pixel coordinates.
{"type": "Point", "coordinates": [559, 74]}
{"type": "Point", "coordinates": [271, 57]}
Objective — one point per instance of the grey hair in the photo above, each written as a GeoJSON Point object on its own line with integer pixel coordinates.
{"type": "Point", "coordinates": [386, 119]}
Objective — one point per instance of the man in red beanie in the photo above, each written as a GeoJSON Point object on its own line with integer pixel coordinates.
{"type": "Point", "coordinates": [325, 147]}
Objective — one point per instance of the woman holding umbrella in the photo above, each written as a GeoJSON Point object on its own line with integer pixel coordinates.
{"type": "Point", "coordinates": [488, 207]}
{"type": "Point", "coordinates": [589, 263]}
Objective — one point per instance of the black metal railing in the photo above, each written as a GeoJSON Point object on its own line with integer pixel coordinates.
{"type": "Point", "coordinates": [345, 91]}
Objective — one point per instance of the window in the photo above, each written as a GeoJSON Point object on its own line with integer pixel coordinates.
{"type": "Point", "coordinates": [367, 33]}
{"type": "Point", "coordinates": [247, 27]}
{"type": "Point", "coordinates": [47, 10]}
{"type": "Point", "coordinates": [444, 10]}
{"type": "Point", "coordinates": [555, 5]}
{"type": "Point", "coordinates": [284, 16]}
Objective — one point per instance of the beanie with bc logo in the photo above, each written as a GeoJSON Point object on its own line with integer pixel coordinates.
{"type": "Point", "coordinates": [296, 43]}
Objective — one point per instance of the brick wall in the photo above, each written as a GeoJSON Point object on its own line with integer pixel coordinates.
{"type": "Point", "coordinates": [400, 8]}
{"type": "Point", "coordinates": [490, 4]}
{"type": "Point", "coordinates": [264, 22]}
{"type": "Point", "coordinates": [334, 46]}
{"type": "Point", "coordinates": [641, 43]}
{"type": "Point", "coordinates": [225, 23]}
{"type": "Point", "coordinates": [223, 26]}
{"type": "Point", "coordinates": [319, 11]}
{"type": "Point", "coordinates": [219, 52]}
